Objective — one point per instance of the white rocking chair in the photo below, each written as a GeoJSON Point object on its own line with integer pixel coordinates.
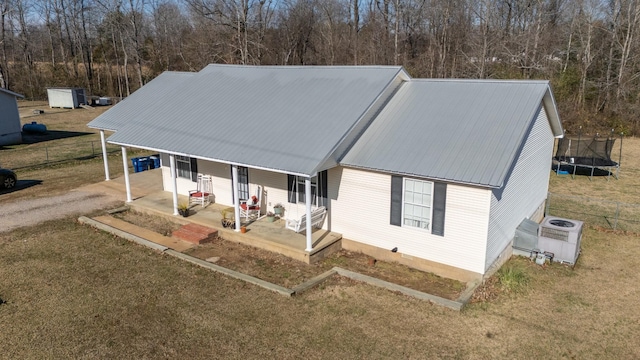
{"type": "Point", "coordinates": [202, 194]}
{"type": "Point", "coordinates": [250, 208]}
{"type": "Point", "coordinates": [298, 225]}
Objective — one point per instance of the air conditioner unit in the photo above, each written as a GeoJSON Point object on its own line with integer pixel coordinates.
{"type": "Point", "coordinates": [561, 237]}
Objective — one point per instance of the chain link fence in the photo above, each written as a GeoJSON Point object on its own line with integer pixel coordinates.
{"type": "Point", "coordinates": [26, 157]}
{"type": "Point", "coordinates": [616, 215]}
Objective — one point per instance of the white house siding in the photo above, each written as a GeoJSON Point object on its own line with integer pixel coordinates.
{"type": "Point", "coordinates": [10, 129]}
{"type": "Point", "coordinates": [274, 185]}
{"type": "Point", "coordinates": [360, 211]}
{"type": "Point", "coordinates": [525, 189]}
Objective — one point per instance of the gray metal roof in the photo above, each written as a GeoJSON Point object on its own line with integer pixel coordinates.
{"type": "Point", "coordinates": [287, 119]}
{"type": "Point", "coordinates": [465, 131]}
{"type": "Point", "coordinates": [9, 92]}
{"type": "Point", "coordinates": [152, 93]}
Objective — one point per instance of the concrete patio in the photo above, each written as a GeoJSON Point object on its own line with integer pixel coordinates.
{"type": "Point", "coordinates": [271, 236]}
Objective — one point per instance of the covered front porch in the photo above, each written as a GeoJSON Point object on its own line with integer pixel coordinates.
{"type": "Point", "coordinates": [271, 236]}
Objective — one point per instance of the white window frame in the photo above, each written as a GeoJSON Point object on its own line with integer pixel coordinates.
{"type": "Point", "coordinates": [404, 203]}
{"type": "Point", "coordinates": [300, 188]}
{"type": "Point", "coordinates": [183, 167]}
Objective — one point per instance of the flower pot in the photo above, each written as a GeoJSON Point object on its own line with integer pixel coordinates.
{"type": "Point", "coordinates": [278, 210]}
{"type": "Point", "coordinates": [183, 212]}
{"type": "Point", "coordinates": [271, 218]}
{"type": "Point", "coordinates": [243, 229]}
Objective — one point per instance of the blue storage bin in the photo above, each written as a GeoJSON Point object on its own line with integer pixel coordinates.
{"type": "Point", "coordinates": [156, 161]}
{"type": "Point", "coordinates": [136, 164]}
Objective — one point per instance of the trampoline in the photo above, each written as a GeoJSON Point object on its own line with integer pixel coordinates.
{"type": "Point", "coordinates": [591, 153]}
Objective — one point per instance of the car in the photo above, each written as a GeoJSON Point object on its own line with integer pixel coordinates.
{"type": "Point", "coordinates": [8, 178]}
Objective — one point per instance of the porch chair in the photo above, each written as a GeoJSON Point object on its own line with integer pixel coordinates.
{"type": "Point", "coordinates": [250, 208]}
{"type": "Point", "coordinates": [298, 225]}
{"type": "Point", "coordinates": [202, 194]}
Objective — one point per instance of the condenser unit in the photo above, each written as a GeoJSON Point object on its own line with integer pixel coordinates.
{"type": "Point", "coordinates": [561, 237]}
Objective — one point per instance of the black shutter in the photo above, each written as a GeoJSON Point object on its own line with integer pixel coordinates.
{"type": "Point", "coordinates": [322, 185]}
{"type": "Point", "coordinates": [439, 201]}
{"type": "Point", "coordinates": [194, 169]}
{"type": "Point", "coordinates": [396, 200]}
{"type": "Point", "coordinates": [291, 188]}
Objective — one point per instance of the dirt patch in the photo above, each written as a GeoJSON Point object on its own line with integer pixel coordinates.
{"type": "Point", "coordinates": [158, 224]}
{"type": "Point", "coordinates": [287, 272]}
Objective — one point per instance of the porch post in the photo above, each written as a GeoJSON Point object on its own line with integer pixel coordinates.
{"type": "Point", "coordinates": [236, 200]}
{"type": "Point", "coordinates": [174, 182]}
{"type": "Point", "coordinates": [127, 185]}
{"type": "Point", "coordinates": [104, 156]}
{"type": "Point", "coordinates": [307, 194]}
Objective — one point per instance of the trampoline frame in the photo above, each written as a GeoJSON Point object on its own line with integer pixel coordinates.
{"type": "Point", "coordinates": [593, 166]}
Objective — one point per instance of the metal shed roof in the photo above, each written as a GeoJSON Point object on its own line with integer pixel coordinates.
{"type": "Point", "coordinates": [465, 131]}
{"type": "Point", "coordinates": [287, 119]}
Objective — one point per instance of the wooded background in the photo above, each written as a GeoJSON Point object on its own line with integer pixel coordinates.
{"type": "Point", "coordinates": [587, 48]}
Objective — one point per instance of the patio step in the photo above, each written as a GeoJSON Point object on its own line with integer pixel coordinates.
{"type": "Point", "coordinates": [196, 234]}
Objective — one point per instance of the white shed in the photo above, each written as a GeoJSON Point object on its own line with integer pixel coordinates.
{"type": "Point", "coordinates": [70, 98]}
{"type": "Point", "coordinates": [10, 131]}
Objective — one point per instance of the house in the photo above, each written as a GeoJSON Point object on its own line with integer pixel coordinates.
{"type": "Point", "coordinates": [440, 171]}
{"type": "Point", "coordinates": [69, 98]}
{"type": "Point", "coordinates": [10, 128]}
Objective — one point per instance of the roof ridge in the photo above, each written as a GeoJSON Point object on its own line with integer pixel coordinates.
{"type": "Point", "coordinates": [518, 81]}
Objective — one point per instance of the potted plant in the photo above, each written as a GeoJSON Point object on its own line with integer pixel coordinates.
{"type": "Point", "coordinates": [183, 209]}
{"type": "Point", "coordinates": [278, 209]}
{"type": "Point", "coordinates": [228, 218]}
{"type": "Point", "coordinates": [271, 217]}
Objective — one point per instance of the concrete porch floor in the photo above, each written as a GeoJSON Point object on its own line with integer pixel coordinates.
{"type": "Point", "coordinates": [271, 236]}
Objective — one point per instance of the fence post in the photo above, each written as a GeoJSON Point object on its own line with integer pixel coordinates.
{"type": "Point", "coordinates": [548, 205]}
{"type": "Point", "coordinates": [46, 150]}
{"type": "Point", "coordinates": [93, 153]}
{"type": "Point", "coordinates": [615, 220]}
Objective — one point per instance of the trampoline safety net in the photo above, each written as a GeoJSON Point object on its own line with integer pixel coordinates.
{"type": "Point", "coordinates": [585, 151]}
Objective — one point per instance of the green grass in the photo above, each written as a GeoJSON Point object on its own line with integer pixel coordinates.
{"type": "Point", "coordinates": [513, 278]}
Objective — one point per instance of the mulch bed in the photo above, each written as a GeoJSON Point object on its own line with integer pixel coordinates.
{"type": "Point", "coordinates": [287, 272]}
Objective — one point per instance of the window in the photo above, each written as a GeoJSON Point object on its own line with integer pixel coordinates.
{"type": "Point", "coordinates": [416, 203]}
{"type": "Point", "coordinates": [300, 189]}
{"type": "Point", "coordinates": [183, 165]}
{"type": "Point", "coordinates": [296, 189]}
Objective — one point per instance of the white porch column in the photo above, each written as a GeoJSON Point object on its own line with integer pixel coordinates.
{"type": "Point", "coordinates": [307, 201]}
{"type": "Point", "coordinates": [236, 201]}
{"type": "Point", "coordinates": [174, 182]}
{"type": "Point", "coordinates": [105, 161]}
{"type": "Point", "coordinates": [127, 185]}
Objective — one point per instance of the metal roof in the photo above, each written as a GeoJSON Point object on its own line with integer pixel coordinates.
{"type": "Point", "coordinates": [9, 92]}
{"type": "Point", "coordinates": [149, 95]}
{"type": "Point", "coordinates": [282, 118]}
{"type": "Point", "coordinates": [465, 131]}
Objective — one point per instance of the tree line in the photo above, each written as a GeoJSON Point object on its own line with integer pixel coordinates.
{"type": "Point", "coordinates": [587, 48]}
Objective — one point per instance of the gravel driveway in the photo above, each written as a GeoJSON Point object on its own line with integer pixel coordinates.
{"type": "Point", "coordinates": [31, 212]}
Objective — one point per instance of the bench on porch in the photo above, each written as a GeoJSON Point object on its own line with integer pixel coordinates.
{"type": "Point", "coordinates": [317, 217]}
